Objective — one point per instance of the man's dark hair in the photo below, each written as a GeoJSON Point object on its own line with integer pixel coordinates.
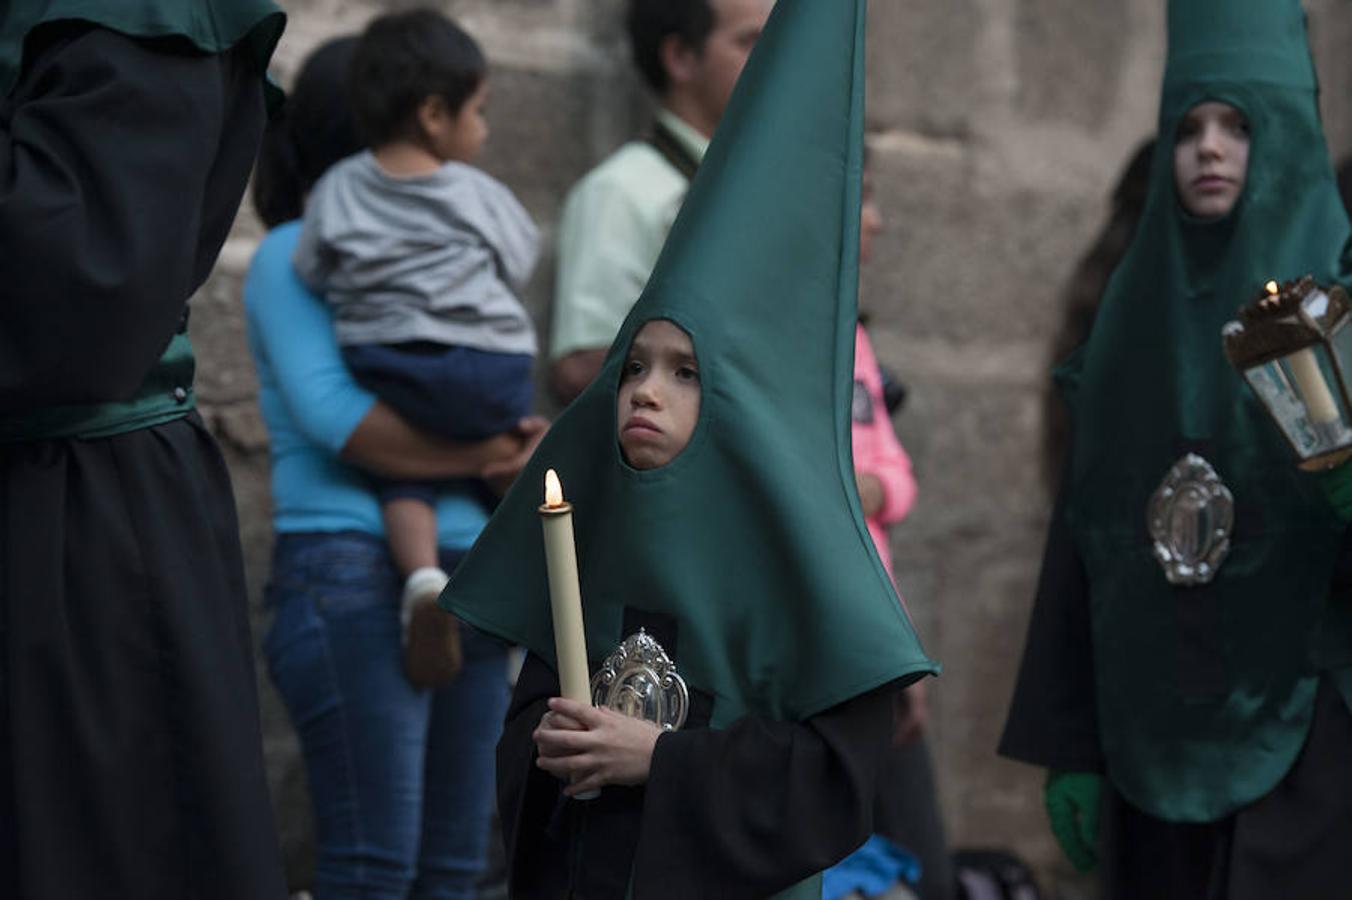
{"type": "Point", "coordinates": [403, 59]}
{"type": "Point", "coordinates": [651, 22]}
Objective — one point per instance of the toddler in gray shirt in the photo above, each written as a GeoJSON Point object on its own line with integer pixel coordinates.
{"type": "Point", "coordinates": [420, 255]}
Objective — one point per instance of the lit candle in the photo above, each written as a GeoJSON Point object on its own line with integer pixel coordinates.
{"type": "Point", "coordinates": [1271, 299]}
{"type": "Point", "coordinates": [570, 641]}
{"type": "Point", "coordinates": [1314, 390]}
{"type": "Point", "coordinates": [565, 598]}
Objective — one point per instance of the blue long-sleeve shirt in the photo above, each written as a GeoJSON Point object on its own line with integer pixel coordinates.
{"type": "Point", "coordinates": [311, 405]}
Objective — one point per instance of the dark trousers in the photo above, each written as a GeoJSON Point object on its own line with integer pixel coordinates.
{"type": "Point", "coordinates": [458, 393]}
{"type": "Point", "coordinates": [130, 754]}
{"type": "Point", "coordinates": [1293, 843]}
{"type": "Point", "coordinates": [907, 813]}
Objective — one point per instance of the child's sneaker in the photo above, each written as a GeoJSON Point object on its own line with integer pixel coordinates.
{"type": "Point", "coordinates": [432, 654]}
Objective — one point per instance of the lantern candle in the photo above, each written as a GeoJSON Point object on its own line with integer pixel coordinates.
{"type": "Point", "coordinates": [565, 595]}
{"type": "Point", "coordinates": [1291, 346]}
{"type": "Point", "coordinates": [1314, 390]}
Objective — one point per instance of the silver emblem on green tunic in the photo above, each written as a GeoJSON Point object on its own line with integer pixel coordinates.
{"type": "Point", "coordinates": [1191, 515]}
{"type": "Point", "coordinates": [641, 681]}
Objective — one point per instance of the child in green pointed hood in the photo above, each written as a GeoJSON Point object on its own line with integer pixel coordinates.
{"type": "Point", "coordinates": [1187, 662]}
{"type": "Point", "coordinates": [742, 550]}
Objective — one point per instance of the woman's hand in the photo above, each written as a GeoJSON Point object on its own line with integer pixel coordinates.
{"type": "Point", "coordinates": [591, 747]}
{"type": "Point", "coordinates": [501, 470]}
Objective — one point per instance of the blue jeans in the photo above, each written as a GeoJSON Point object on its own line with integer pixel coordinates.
{"type": "Point", "coordinates": [458, 393]}
{"type": "Point", "coordinates": [401, 779]}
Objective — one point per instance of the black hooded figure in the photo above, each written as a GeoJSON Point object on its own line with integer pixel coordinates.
{"type": "Point", "coordinates": [130, 751]}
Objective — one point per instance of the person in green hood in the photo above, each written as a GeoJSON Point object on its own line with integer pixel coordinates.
{"type": "Point", "coordinates": [1189, 661]}
{"type": "Point", "coordinates": [719, 532]}
{"type": "Point", "coordinates": [130, 750]}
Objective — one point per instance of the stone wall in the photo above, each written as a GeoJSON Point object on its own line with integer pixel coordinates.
{"type": "Point", "coordinates": [997, 129]}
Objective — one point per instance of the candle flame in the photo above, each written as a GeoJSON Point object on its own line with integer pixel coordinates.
{"type": "Point", "coordinates": [553, 490]}
{"type": "Point", "coordinates": [1272, 288]}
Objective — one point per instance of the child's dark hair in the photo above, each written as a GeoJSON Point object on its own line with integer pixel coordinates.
{"type": "Point", "coordinates": [313, 131]}
{"type": "Point", "coordinates": [403, 59]}
{"type": "Point", "coordinates": [651, 22]}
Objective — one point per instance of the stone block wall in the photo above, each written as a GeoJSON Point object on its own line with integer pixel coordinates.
{"type": "Point", "coordinates": [997, 129]}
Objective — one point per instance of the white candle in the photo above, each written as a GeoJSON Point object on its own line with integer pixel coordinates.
{"type": "Point", "coordinates": [1314, 390]}
{"type": "Point", "coordinates": [565, 594]}
{"type": "Point", "coordinates": [565, 598]}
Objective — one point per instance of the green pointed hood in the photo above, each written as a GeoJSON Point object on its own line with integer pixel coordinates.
{"type": "Point", "coordinates": [752, 539]}
{"type": "Point", "coordinates": [1257, 42]}
{"type": "Point", "coordinates": [1152, 383]}
{"type": "Point", "coordinates": [212, 25]}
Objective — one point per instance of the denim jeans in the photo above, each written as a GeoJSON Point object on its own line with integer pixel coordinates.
{"type": "Point", "coordinates": [401, 779]}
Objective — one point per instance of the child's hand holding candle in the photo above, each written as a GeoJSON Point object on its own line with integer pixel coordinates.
{"type": "Point", "coordinates": [591, 747]}
{"type": "Point", "coordinates": [565, 600]}
{"type": "Point", "coordinates": [565, 595]}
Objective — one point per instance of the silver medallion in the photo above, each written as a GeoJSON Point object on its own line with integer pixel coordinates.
{"type": "Point", "coordinates": [1191, 515]}
{"type": "Point", "coordinates": [641, 681]}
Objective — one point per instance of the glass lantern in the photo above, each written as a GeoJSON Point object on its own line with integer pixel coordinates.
{"type": "Point", "coordinates": [1293, 346]}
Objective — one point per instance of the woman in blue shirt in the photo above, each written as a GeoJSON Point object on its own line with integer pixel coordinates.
{"type": "Point", "coordinates": [401, 779]}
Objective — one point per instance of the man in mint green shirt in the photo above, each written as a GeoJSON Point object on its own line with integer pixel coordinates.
{"type": "Point", "coordinates": [616, 219]}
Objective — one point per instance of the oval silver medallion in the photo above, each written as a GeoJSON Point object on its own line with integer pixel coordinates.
{"type": "Point", "coordinates": [641, 681]}
{"type": "Point", "coordinates": [1191, 516]}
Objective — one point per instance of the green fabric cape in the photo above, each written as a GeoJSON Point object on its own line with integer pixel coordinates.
{"type": "Point", "coordinates": [1151, 383]}
{"type": "Point", "coordinates": [212, 25]}
{"type": "Point", "coordinates": [753, 537]}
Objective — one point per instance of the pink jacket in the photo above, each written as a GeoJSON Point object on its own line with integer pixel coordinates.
{"type": "Point", "coordinates": [876, 448]}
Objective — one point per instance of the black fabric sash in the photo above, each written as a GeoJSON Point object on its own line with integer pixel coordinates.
{"type": "Point", "coordinates": [673, 151]}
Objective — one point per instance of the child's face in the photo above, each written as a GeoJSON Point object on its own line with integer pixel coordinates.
{"type": "Point", "coordinates": [1211, 159]}
{"type": "Point", "coordinates": [457, 136]}
{"type": "Point", "coordinates": [659, 395]}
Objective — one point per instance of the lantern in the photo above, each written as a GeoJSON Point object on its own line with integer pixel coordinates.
{"type": "Point", "coordinates": [1293, 347]}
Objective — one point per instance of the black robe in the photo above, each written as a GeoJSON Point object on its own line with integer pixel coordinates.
{"type": "Point", "coordinates": [130, 750]}
{"type": "Point", "coordinates": [742, 812]}
{"type": "Point", "coordinates": [1291, 843]}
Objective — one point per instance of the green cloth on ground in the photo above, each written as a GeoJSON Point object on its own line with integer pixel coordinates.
{"type": "Point", "coordinates": [1152, 383]}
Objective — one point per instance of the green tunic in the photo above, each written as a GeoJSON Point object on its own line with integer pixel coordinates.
{"type": "Point", "coordinates": [752, 540]}
{"type": "Point", "coordinates": [1152, 383]}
